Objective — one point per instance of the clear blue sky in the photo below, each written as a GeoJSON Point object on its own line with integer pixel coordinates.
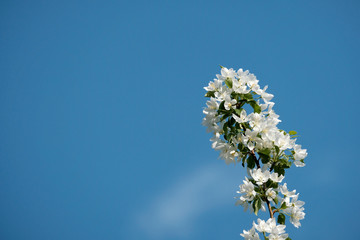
{"type": "Point", "coordinates": [101, 108]}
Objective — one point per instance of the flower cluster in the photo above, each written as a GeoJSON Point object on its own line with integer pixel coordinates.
{"type": "Point", "coordinates": [244, 125]}
{"type": "Point", "coordinates": [276, 232]}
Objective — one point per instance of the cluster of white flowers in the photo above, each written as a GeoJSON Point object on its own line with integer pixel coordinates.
{"type": "Point", "coordinates": [276, 232]}
{"type": "Point", "coordinates": [254, 139]}
{"type": "Point", "coordinates": [287, 203]}
{"type": "Point", "coordinates": [225, 92]}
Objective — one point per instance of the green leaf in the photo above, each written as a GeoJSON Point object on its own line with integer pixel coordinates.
{"type": "Point", "coordinates": [255, 106]}
{"type": "Point", "coordinates": [289, 164]}
{"type": "Point", "coordinates": [292, 132]}
{"type": "Point", "coordinates": [258, 189]}
{"type": "Point", "coordinates": [231, 121]}
{"type": "Point", "coordinates": [238, 111]}
{"type": "Point", "coordinates": [210, 94]}
{"type": "Point", "coordinates": [228, 82]}
{"type": "Point", "coordinates": [235, 96]}
{"type": "Point", "coordinates": [265, 159]}
{"type": "Point", "coordinates": [222, 106]}
{"type": "Point", "coordinates": [243, 149]}
{"type": "Point", "coordinates": [251, 161]}
{"type": "Point", "coordinates": [276, 200]}
{"type": "Point", "coordinates": [221, 66]}
{"type": "Point", "coordinates": [265, 155]}
{"type": "Point", "coordinates": [288, 238]}
{"type": "Point", "coordinates": [225, 127]}
{"type": "Point", "coordinates": [279, 170]}
{"type": "Point", "coordinates": [277, 149]}
{"type": "Point", "coordinates": [265, 151]}
{"type": "Point", "coordinates": [257, 205]}
{"type": "Point", "coordinates": [253, 182]}
{"type": "Point", "coordinates": [281, 218]}
{"type": "Point", "coordinates": [247, 96]}
{"type": "Point", "coordinates": [283, 206]}
{"type": "Point", "coordinates": [246, 125]}
{"type": "Point", "coordinates": [225, 116]}
{"type": "Point", "coordinates": [271, 184]}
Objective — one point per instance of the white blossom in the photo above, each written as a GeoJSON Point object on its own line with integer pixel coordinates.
{"type": "Point", "coordinates": [229, 102]}
{"type": "Point", "coordinates": [259, 176]}
{"type": "Point", "coordinates": [250, 235]}
{"type": "Point", "coordinates": [248, 190]}
{"type": "Point", "coordinates": [270, 194]}
{"type": "Point", "coordinates": [262, 226]}
{"type": "Point", "coordinates": [214, 86]}
{"type": "Point", "coordinates": [242, 118]}
{"type": "Point", "coordinates": [296, 214]}
{"type": "Point", "coordinates": [276, 178]}
{"type": "Point", "coordinates": [299, 155]}
{"type": "Point", "coordinates": [286, 192]}
{"type": "Point", "coordinates": [277, 236]}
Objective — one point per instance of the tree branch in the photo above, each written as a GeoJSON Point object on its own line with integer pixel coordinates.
{"type": "Point", "coordinates": [258, 166]}
{"type": "Point", "coordinates": [269, 207]}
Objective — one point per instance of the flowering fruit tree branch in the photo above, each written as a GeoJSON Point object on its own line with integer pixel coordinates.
{"type": "Point", "coordinates": [254, 140]}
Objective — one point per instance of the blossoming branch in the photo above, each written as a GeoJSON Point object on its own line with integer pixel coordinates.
{"type": "Point", "coordinates": [254, 140]}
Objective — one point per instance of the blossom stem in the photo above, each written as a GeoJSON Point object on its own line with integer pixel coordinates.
{"type": "Point", "coordinates": [269, 207]}
{"type": "Point", "coordinates": [267, 201]}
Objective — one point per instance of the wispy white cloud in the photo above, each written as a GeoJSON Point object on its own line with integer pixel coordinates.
{"type": "Point", "coordinates": [175, 211]}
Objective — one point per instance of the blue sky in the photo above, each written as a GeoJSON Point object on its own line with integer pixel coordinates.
{"type": "Point", "coordinates": [101, 108]}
